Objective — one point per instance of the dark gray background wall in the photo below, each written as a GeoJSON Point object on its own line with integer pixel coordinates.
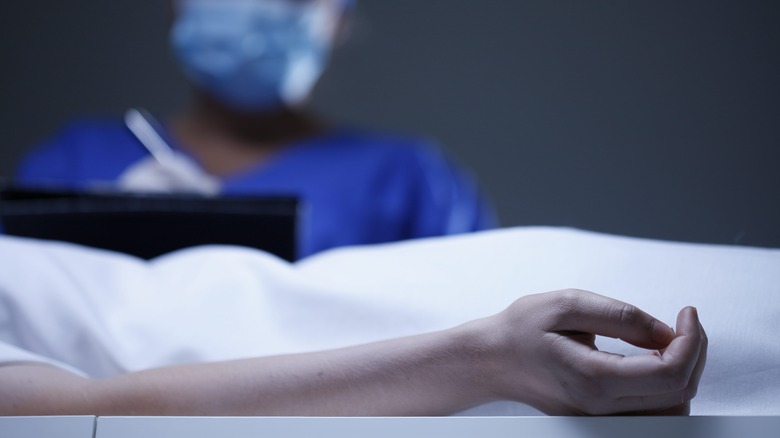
{"type": "Point", "coordinates": [648, 118]}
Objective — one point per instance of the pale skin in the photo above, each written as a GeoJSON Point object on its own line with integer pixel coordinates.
{"type": "Point", "coordinates": [538, 351]}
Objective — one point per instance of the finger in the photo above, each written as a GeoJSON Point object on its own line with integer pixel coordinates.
{"type": "Point", "coordinates": [682, 354]}
{"type": "Point", "coordinates": [671, 372]}
{"type": "Point", "coordinates": [597, 314]}
{"type": "Point", "coordinates": [664, 404]}
{"type": "Point", "coordinates": [693, 384]}
{"type": "Point", "coordinates": [686, 367]}
{"type": "Point", "coordinates": [683, 409]}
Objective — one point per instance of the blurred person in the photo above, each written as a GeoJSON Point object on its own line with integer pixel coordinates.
{"type": "Point", "coordinates": [252, 65]}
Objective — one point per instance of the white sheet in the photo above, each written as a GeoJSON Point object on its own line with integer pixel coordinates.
{"type": "Point", "coordinates": [105, 313]}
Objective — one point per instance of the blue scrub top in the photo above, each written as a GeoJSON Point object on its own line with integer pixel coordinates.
{"type": "Point", "coordinates": [357, 187]}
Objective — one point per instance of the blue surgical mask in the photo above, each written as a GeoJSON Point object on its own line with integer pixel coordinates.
{"type": "Point", "coordinates": [253, 55]}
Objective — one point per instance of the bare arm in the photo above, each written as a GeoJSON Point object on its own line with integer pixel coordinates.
{"type": "Point", "coordinates": [539, 351]}
{"type": "Point", "coordinates": [416, 375]}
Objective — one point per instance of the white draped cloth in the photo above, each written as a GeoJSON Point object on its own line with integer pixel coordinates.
{"type": "Point", "coordinates": [100, 313]}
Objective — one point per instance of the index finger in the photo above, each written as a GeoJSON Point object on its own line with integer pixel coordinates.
{"type": "Point", "coordinates": [592, 313]}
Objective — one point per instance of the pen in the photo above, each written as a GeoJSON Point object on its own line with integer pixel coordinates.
{"type": "Point", "coordinates": [138, 123]}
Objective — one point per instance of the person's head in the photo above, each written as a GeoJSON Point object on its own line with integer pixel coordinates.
{"type": "Point", "coordinates": [256, 55]}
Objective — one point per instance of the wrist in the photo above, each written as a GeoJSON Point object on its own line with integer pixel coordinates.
{"type": "Point", "coordinates": [509, 368]}
{"type": "Point", "coordinates": [479, 348]}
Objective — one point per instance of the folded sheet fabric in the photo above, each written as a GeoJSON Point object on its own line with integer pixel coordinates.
{"type": "Point", "coordinates": [101, 313]}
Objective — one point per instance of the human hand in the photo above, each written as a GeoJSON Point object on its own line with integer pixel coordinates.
{"type": "Point", "coordinates": [548, 358]}
{"type": "Point", "coordinates": [177, 174]}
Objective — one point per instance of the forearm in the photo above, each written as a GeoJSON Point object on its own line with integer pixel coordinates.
{"type": "Point", "coordinates": [431, 374]}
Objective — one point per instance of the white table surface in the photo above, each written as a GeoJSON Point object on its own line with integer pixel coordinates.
{"type": "Point", "coordinates": [44, 427]}
{"type": "Point", "coordinates": [395, 427]}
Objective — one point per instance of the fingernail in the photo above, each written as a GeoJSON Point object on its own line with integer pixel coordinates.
{"type": "Point", "coordinates": [661, 332]}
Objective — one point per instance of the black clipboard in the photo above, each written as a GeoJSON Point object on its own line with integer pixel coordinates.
{"type": "Point", "coordinates": [149, 225]}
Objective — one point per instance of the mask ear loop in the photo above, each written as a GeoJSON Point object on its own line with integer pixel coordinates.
{"type": "Point", "coordinates": [323, 18]}
{"type": "Point", "coordinates": [344, 22]}
{"type": "Point", "coordinates": [320, 19]}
